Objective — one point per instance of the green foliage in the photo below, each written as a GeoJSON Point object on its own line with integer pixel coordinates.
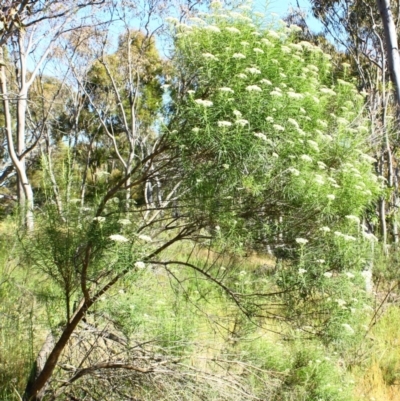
{"type": "Point", "coordinates": [271, 154]}
{"type": "Point", "coordinates": [134, 71]}
{"type": "Point", "coordinates": [17, 319]}
{"type": "Point", "coordinates": [274, 151]}
{"type": "Point", "coordinates": [262, 116]}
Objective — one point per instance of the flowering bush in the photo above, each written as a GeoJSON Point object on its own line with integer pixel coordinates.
{"type": "Point", "coordinates": [274, 149]}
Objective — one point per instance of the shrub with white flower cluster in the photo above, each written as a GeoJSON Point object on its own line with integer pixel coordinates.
{"type": "Point", "coordinates": [298, 169]}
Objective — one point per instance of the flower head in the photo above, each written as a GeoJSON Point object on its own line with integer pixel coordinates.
{"type": "Point", "coordinates": [140, 265]}
{"type": "Point", "coordinates": [319, 179]}
{"type": "Point", "coordinates": [273, 34]}
{"type": "Point", "coordinates": [209, 56]}
{"type": "Point", "coordinates": [224, 124]}
{"type": "Point", "coordinates": [370, 237]}
{"type": "Point", "coordinates": [340, 302]}
{"type": "Point", "coordinates": [253, 70]}
{"type": "Point", "coordinates": [293, 122]}
{"type": "Point", "coordinates": [313, 144]}
{"type": "Point", "coordinates": [301, 241]}
{"type": "Point", "coordinates": [278, 127]}
{"type": "Point", "coordinates": [265, 82]}
{"type": "Point", "coordinates": [212, 28]}
{"type": "Point", "coordinates": [348, 328]}
{"type": "Point", "coordinates": [118, 238]}
{"type": "Point", "coordinates": [226, 89]}
{"type": "Point", "coordinates": [294, 171]}
{"type": "Point", "coordinates": [145, 238]}
{"type": "Point", "coordinates": [355, 219]}
{"type": "Point", "coordinates": [232, 29]}
{"type": "Point", "coordinates": [349, 238]}
{"type": "Point", "coordinates": [328, 91]}
{"type": "Point", "coordinates": [241, 122]}
{"type": "Point", "coordinates": [238, 55]}
{"type": "Point", "coordinates": [204, 103]}
{"type": "Point", "coordinates": [253, 88]}
{"type": "Point", "coordinates": [260, 135]}
{"type": "Point", "coordinates": [306, 158]}
{"type": "Point", "coordinates": [276, 93]}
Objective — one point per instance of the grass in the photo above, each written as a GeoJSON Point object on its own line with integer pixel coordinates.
{"type": "Point", "coordinates": [222, 354]}
{"type": "Point", "coordinates": [379, 377]}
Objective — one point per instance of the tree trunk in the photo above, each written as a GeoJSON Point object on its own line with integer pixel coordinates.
{"type": "Point", "coordinates": [26, 200]}
{"type": "Point", "coordinates": [391, 46]}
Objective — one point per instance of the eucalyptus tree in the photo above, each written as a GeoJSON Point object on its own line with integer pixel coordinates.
{"type": "Point", "coordinates": [133, 75]}
{"type": "Point", "coordinates": [367, 32]}
{"type": "Point", "coordinates": [29, 33]}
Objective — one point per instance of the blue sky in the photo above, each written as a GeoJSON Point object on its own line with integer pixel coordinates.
{"type": "Point", "coordinates": [281, 7]}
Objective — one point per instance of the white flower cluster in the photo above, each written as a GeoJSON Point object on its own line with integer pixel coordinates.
{"type": "Point", "coordinates": [278, 127]}
{"type": "Point", "coordinates": [253, 70]}
{"type": "Point", "coordinates": [212, 28]}
{"type": "Point", "coordinates": [328, 91]}
{"type": "Point", "coordinates": [293, 122]}
{"type": "Point", "coordinates": [294, 95]}
{"type": "Point", "coordinates": [232, 29]}
{"type": "Point", "coordinates": [306, 158]}
{"type": "Point", "coordinates": [145, 238]}
{"type": "Point", "coordinates": [209, 56]}
{"type": "Point", "coordinates": [276, 93]}
{"type": "Point", "coordinates": [226, 89]}
{"type": "Point", "coordinates": [118, 238]}
{"type": "Point", "coordinates": [241, 122]}
{"type": "Point", "coordinates": [253, 88]}
{"type": "Point", "coordinates": [294, 171]}
{"type": "Point", "coordinates": [260, 135]}
{"type": "Point", "coordinates": [345, 236]}
{"type": "Point", "coordinates": [352, 218]}
{"type": "Point", "coordinates": [204, 103]}
{"type": "Point", "coordinates": [265, 82]}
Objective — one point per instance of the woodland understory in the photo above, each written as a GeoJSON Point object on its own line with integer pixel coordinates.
{"type": "Point", "coordinates": [199, 201]}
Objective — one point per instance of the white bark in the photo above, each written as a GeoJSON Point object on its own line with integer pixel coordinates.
{"type": "Point", "coordinates": [26, 202]}
{"type": "Point", "coordinates": [391, 46]}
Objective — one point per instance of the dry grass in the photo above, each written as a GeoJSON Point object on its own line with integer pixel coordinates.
{"type": "Point", "coordinates": [379, 380]}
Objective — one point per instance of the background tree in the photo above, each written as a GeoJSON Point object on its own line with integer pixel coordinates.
{"type": "Point", "coordinates": [364, 29]}
{"type": "Point", "coordinates": [24, 24]}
